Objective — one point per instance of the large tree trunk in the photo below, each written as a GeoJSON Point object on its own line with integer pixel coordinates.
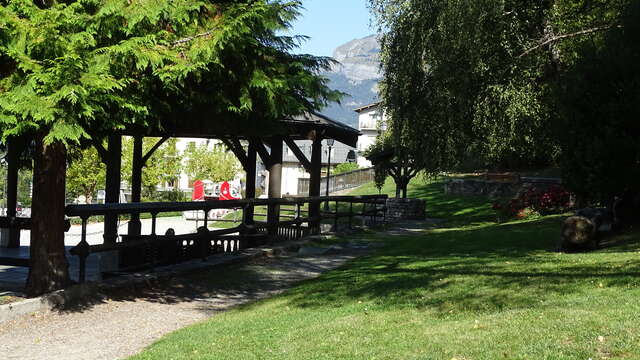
{"type": "Point", "coordinates": [49, 269]}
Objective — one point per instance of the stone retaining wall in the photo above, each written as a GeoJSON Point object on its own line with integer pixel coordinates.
{"type": "Point", "coordinates": [405, 209]}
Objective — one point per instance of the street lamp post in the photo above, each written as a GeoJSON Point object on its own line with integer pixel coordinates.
{"type": "Point", "coordinates": [329, 144]}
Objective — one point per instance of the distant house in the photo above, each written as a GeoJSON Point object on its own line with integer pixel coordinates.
{"type": "Point", "coordinates": [292, 170]}
{"type": "Point", "coordinates": [371, 123]}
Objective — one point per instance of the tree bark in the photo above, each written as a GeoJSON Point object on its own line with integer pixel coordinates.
{"type": "Point", "coordinates": [48, 265]}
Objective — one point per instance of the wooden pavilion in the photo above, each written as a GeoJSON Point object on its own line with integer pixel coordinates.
{"type": "Point", "coordinates": [247, 142]}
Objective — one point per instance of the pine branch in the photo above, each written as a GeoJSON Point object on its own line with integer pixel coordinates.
{"type": "Point", "coordinates": [565, 36]}
{"type": "Point", "coordinates": [191, 38]}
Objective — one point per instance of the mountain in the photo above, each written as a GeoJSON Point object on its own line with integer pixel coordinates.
{"type": "Point", "coordinates": [357, 74]}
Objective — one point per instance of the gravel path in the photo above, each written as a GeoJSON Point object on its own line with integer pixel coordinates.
{"type": "Point", "coordinates": [123, 322]}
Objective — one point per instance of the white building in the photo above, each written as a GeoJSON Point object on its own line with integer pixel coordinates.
{"type": "Point", "coordinates": [292, 170]}
{"type": "Point", "coordinates": [371, 123]}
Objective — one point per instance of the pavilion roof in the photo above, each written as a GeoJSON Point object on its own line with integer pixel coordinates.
{"type": "Point", "coordinates": [297, 127]}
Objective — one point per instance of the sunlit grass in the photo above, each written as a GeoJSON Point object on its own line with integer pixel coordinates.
{"type": "Point", "coordinates": [474, 289]}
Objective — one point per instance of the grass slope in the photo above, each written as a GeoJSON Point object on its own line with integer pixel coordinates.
{"type": "Point", "coordinates": [472, 290]}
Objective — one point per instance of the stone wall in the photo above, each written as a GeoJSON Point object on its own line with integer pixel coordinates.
{"type": "Point", "coordinates": [495, 189]}
{"type": "Point", "coordinates": [405, 209]}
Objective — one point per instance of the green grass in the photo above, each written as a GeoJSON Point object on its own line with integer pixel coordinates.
{"type": "Point", "coordinates": [472, 290]}
{"type": "Point", "coordinates": [454, 209]}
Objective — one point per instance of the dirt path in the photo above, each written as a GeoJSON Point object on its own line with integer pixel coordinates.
{"type": "Point", "coordinates": [121, 323]}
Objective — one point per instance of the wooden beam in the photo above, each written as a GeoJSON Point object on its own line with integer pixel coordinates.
{"type": "Point", "coordinates": [275, 184]}
{"type": "Point", "coordinates": [102, 152]}
{"type": "Point", "coordinates": [9, 261]}
{"type": "Point", "coordinates": [155, 147]}
{"type": "Point", "coordinates": [250, 187]}
{"type": "Point", "coordinates": [314, 183]}
{"type": "Point", "coordinates": [112, 186]}
{"type": "Point", "coordinates": [264, 154]}
{"type": "Point", "coordinates": [235, 147]}
{"type": "Point", "coordinates": [298, 153]}
{"type": "Point", "coordinates": [136, 183]}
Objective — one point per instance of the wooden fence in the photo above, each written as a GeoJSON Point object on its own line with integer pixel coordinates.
{"type": "Point", "coordinates": [138, 251]}
{"type": "Point", "coordinates": [348, 180]}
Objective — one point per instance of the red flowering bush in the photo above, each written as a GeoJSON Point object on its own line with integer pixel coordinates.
{"type": "Point", "coordinates": [534, 202]}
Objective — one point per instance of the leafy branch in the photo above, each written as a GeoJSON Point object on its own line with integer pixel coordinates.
{"type": "Point", "coordinates": [553, 39]}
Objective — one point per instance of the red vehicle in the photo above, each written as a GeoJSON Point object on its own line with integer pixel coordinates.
{"type": "Point", "coordinates": [208, 190]}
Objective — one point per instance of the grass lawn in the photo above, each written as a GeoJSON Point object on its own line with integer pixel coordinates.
{"type": "Point", "coordinates": [471, 290]}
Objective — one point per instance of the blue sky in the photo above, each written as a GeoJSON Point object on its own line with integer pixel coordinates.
{"type": "Point", "coordinates": [331, 23]}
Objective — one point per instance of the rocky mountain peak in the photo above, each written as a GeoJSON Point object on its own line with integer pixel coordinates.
{"type": "Point", "coordinates": [357, 74]}
{"type": "Point", "coordinates": [359, 59]}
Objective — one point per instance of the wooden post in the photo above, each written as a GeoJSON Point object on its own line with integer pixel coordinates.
{"type": "Point", "coordinates": [314, 184]}
{"type": "Point", "coordinates": [12, 191]}
{"type": "Point", "coordinates": [250, 192]}
{"type": "Point", "coordinates": [112, 187]}
{"type": "Point", "coordinates": [136, 184]}
{"type": "Point", "coordinates": [275, 184]}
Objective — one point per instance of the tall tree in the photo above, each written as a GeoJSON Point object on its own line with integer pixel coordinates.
{"type": "Point", "coordinates": [75, 69]}
{"type": "Point", "coordinates": [390, 158]}
{"type": "Point", "coordinates": [479, 83]}
{"type": "Point", "coordinates": [163, 166]}
{"type": "Point", "coordinates": [599, 100]}
{"type": "Point", "coordinates": [216, 164]}
{"type": "Point", "coordinates": [85, 174]}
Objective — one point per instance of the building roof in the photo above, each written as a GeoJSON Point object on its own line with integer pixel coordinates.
{"type": "Point", "coordinates": [367, 107]}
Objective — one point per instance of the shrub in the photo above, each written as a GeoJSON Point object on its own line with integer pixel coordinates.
{"type": "Point", "coordinates": [533, 202]}
{"type": "Point", "coordinates": [344, 167]}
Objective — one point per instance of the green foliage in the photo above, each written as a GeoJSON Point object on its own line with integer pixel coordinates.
{"type": "Point", "coordinates": [85, 174]}
{"type": "Point", "coordinates": [72, 69]}
{"type": "Point", "coordinates": [514, 84]}
{"type": "Point", "coordinates": [24, 186]}
{"type": "Point", "coordinates": [600, 105]}
{"type": "Point", "coordinates": [390, 157]}
{"type": "Point", "coordinates": [162, 168]}
{"type": "Point", "coordinates": [216, 164]}
{"type": "Point", "coordinates": [344, 167]}
{"type": "Point", "coordinates": [458, 101]}
{"type": "Point", "coordinates": [379, 177]}
{"type": "Point", "coordinates": [168, 196]}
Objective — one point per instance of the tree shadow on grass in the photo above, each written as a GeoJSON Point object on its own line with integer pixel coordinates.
{"type": "Point", "coordinates": [454, 208]}
{"type": "Point", "coordinates": [482, 269]}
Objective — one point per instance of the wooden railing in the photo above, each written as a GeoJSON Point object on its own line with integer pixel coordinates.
{"type": "Point", "coordinates": [344, 181]}
{"type": "Point", "coordinates": [17, 224]}
{"type": "Point", "coordinates": [153, 249]}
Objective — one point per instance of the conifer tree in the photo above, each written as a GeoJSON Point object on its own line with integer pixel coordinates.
{"type": "Point", "coordinates": [71, 70]}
